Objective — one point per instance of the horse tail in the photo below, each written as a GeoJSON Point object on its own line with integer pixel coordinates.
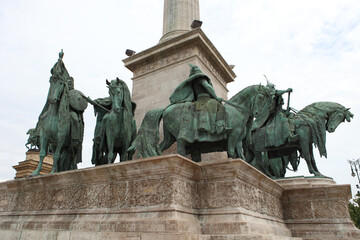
{"type": "Point", "coordinates": [147, 140]}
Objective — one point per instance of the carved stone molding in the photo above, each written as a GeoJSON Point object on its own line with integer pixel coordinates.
{"type": "Point", "coordinates": [156, 64]}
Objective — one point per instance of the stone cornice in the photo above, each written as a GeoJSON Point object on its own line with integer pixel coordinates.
{"type": "Point", "coordinates": [185, 41]}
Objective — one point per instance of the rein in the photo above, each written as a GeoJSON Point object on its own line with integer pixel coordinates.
{"type": "Point", "coordinates": [235, 106]}
{"type": "Point", "coordinates": [242, 108]}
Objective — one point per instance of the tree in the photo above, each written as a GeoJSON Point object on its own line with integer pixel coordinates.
{"type": "Point", "coordinates": [354, 209]}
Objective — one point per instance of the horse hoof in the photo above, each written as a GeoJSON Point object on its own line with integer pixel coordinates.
{"type": "Point", "coordinates": [317, 174]}
{"type": "Point", "coordinates": [34, 173]}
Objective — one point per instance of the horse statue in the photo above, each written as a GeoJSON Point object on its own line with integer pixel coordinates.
{"type": "Point", "coordinates": [33, 140]}
{"type": "Point", "coordinates": [115, 128]}
{"type": "Point", "coordinates": [252, 102]}
{"type": "Point", "coordinates": [308, 128]}
{"type": "Point", "coordinates": [60, 126]}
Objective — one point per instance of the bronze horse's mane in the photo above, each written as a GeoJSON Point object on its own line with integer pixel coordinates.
{"type": "Point", "coordinates": [325, 107]}
{"type": "Point", "coordinates": [244, 93]}
{"type": "Point", "coordinates": [316, 116]}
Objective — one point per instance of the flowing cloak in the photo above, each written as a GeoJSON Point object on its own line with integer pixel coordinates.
{"type": "Point", "coordinates": [273, 134]}
{"type": "Point", "coordinates": [199, 116]}
{"type": "Point", "coordinates": [185, 92]}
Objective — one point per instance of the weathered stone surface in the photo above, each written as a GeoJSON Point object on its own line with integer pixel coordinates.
{"type": "Point", "coordinates": [25, 168]}
{"type": "Point", "coordinates": [316, 208]}
{"type": "Point", "coordinates": [151, 69]}
{"type": "Point", "coordinates": [304, 182]}
{"type": "Point", "coordinates": [170, 197]}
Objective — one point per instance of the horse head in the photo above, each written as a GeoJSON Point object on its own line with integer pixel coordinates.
{"type": "Point", "coordinates": [57, 86]}
{"type": "Point", "coordinates": [338, 117]}
{"type": "Point", "coordinates": [263, 104]}
{"type": "Point", "coordinates": [116, 93]}
{"type": "Point", "coordinates": [261, 101]}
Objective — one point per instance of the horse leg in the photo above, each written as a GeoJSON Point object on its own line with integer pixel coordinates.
{"type": "Point", "coordinates": [110, 143]}
{"type": "Point", "coordinates": [305, 152]}
{"type": "Point", "coordinates": [249, 154]}
{"type": "Point", "coordinates": [258, 159]}
{"type": "Point", "coordinates": [57, 154]}
{"type": "Point", "coordinates": [313, 163]}
{"type": "Point", "coordinates": [261, 162]}
{"type": "Point", "coordinates": [196, 156]}
{"type": "Point", "coordinates": [181, 148]}
{"type": "Point", "coordinates": [239, 150]}
{"type": "Point", "coordinates": [305, 146]}
{"type": "Point", "coordinates": [43, 152]}
{"type": "Point", "coordinates": [123, 153]}
{"type": "Point", "coordinates": [276, 167]}
{"type": "Point", "coordinates": [285, 163]}
{"type": "Point", "coordinates": [168, 140]}
{"type": "Point", "coordinates": [234, 143]}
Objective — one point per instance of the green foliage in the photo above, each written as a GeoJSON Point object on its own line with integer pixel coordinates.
{"type": "Point", "coordinates": [354, 209]}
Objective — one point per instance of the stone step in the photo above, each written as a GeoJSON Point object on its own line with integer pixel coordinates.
{"type": "Point", "coordinates": [252, 237]}
{"type": "Point", "coordinates": [250, 228]}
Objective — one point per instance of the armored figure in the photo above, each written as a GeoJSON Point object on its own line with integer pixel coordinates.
{"type": "Point", "coordinates": [277, 126]}
{"type": "Point", "coordinates": [60, 127]}
{"type": "Point", "coordinates": [285, 135]}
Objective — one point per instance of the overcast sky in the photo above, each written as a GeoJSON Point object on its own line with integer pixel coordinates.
{"type": "Point", "coordinates": [310, 46]}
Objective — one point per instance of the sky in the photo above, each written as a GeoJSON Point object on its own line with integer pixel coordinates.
{"type": "Point", "coordinates": [310, 46]}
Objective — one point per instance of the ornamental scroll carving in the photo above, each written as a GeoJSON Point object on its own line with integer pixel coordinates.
{"type": "Point", "coordinates": [236, 193]}
{"type": "Point", "coordinates": [211, 67]}
{"type": "Point", "coordinates": [161, 191]}
{"type": "Point", "coordinates": [124, 194]}
{"type": "Point", "coordinates": [152, 65]}
{"type": "Point", "coordinates": [316, 209]}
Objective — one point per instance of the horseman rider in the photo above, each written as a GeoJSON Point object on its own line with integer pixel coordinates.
{"type": "Point", "coordinates": [203, 113]}
{"type": "Point", "coordinates": [76, 106]}
{"type": "Point", "coordinates": [277, 125]}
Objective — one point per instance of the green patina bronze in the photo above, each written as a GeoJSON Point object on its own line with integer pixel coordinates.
{"type": "Point", "coordinates": [60, 126]}
{"type": "Point", "coordinates": [198, 121]}
{"type": "Point", "coordinates": [115, 125]}
{"type": "Point", "coordinates": [275, 144]}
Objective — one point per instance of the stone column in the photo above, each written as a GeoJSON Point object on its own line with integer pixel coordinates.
{"type": "Point", "coordinates": [178, 16]}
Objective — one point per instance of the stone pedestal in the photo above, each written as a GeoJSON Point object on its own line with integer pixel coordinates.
{"type": "Point", "coordinates": [25, 168]}
{"type": "Point", "coordinates": [157, 71]}
{"type": "Point", "coordinates": [317, 208]}
{"type": "Point", "coordinates": [170, 197]}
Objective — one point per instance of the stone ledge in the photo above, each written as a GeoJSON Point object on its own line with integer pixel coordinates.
{"type": "Point", "coordinates": [170, 197]}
